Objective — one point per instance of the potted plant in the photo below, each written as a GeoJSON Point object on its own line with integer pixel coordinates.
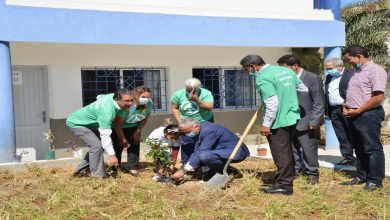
{"type": "Point", "coordinates": [50, 152]}
{"type": "Point", "coordinates": [161, 154]}
{"type": "Point", "coordinates": [261, 151]}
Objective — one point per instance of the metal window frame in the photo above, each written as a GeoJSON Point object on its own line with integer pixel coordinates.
{"type": "Point", "coordinates": [255, 98]}
{"type": "Point", "coordinates": [162, 82]}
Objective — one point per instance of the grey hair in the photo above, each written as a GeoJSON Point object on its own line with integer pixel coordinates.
{"type": "Point", "coordinates": [193, 82]}
{"type": "Point", "coordinates": [336, 61]}
{"type": "Point", "coordinates": [191, 122]}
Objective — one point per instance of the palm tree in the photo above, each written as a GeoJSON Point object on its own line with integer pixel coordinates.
{"type": "Point", "coordinates": [368, 24]}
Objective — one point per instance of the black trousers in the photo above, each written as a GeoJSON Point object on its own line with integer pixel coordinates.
{"type": "Point", "coordinates": [132, 151]}
{"type": "Point", "coordinates": [305, 152]}
{"type": "Point", "coordinates": [342, 130]}
{"type": "Point", "coordinates": [280, 142]}
{"type": "Point", "coordinates": [366, 132]}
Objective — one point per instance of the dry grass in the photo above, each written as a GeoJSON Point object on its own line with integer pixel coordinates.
{"type": "Point", "coordinates": [55, 194]}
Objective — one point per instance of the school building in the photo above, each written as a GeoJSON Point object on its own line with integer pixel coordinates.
{"type": "Point", "coordinates": [56, 56]}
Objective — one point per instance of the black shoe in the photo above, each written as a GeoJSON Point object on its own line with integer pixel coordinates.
{"type": "Point", "coordinates": [354, 181]}
{"type": "Point", "coordinates": [372, 186]}
{"type": "Point", "coordinates": [346, 162]}
{"type": "Point", "coordinates": [276, 190]}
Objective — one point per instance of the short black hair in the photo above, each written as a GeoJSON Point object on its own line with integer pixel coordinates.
{"type": "Point", "coordinates": [356, 49]}
{"type": "Point", "coordinates": [293, 60]}
{"type": "Point", "coordinates": [252, 59]}
{"type": "Point", "coordinates": [283, 59]}
{"type": "Point", "coordinates": [120, 92]}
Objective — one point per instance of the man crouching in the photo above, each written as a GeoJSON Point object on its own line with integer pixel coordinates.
{"type": "Point", "coordinates": [213, 147]}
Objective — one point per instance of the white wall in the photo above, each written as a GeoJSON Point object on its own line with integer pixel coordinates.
{"type": "Point", "coordinates": [284, 9]}
{"type": "Point", "coordinates": [64, 62]}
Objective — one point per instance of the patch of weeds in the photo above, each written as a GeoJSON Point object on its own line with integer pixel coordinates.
{"type": "Point", "coordinates": [35, 170]}
{"type": "Point", "coordinates": [247, 185]}
{"type": "Point", "coordinates": [229, 216]}
{"type": "Point", "coordinates": [6, 175]}
{"type": "Point", "coordinates": [275, 209]}
{"type": "Point", "coordinates": [372, 204]}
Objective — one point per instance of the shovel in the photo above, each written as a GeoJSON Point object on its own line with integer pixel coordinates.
{"type": "Point", "coordinates": [221, 180]}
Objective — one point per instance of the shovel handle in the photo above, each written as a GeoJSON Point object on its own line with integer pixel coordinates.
{"type": "Point", "coordinates": [251, 122]}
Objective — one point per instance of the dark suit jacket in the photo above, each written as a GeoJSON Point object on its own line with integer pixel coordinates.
{"type": "Point", "coordinates": [311, 104]}
{"type": "Point", "coordinates": [347, 74]}
{"type": "Point", "coordinates": [218, 139]}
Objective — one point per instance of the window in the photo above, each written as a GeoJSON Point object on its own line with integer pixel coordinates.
{"type": "Point", "coordinates": [230, 87]}
{"type": "Point", "coordinates": [102, 81]}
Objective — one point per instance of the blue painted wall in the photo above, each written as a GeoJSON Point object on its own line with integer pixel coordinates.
{"type": "Point", "coordinates": [31, 24]}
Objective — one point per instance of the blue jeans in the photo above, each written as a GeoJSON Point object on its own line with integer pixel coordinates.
{"type": "Point", "coordinates": [366, 132]}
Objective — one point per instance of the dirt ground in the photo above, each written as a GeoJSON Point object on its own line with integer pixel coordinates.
{"type": "Point", "coordinates": [55, 194]}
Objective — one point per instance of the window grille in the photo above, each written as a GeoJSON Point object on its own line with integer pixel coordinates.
{"type": "Point", "coordinates": [107, 80]}
{"type": "Point", "coordinates": [231, 87]}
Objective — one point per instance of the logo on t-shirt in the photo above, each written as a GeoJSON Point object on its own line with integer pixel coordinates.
{"type": "Point", "coordinates": [135, 118]}
{"type": "Point", "coordinates": [189, 107]}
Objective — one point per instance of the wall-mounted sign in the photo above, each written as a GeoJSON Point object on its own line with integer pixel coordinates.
{"type": "Point", "coordinates": [17, 77]}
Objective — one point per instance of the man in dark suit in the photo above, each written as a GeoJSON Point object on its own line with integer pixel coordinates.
{"type": "Point", "coordinates": [311, 106]}
{"type": "Point", "coordinates": [213, 147]}
{"type": "Point", "coordinates": [336, 84]}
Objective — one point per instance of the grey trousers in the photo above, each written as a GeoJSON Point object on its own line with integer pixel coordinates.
{"type": "Point", "coordinates": [93, 159]}
{"type": "Point", "coordinates": [305, 151]}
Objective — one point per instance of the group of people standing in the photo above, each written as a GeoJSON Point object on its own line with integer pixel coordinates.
{"type": "Point", "coordinates": [294, 102]}
{"type": "Point", "coordinates": [295, 106]}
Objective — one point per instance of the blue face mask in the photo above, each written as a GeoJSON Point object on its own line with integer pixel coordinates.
{"type": "Point", "coordinates": [191, 134]}
{"type": "Point", "coordinates": [254, 74]}
{"type": "Point", "coordinates": [143, 101]}
{"type": "Point", "coordinates": [333, 72]}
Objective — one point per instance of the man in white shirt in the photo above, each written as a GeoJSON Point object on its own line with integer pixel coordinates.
{"type": "Point", "coordinates": [336, 83]}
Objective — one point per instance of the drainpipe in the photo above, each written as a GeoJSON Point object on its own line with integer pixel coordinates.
{"type": "Point", "coordinates": [7, 120]}
{"type": "Point", "coordinates": [335, 6]}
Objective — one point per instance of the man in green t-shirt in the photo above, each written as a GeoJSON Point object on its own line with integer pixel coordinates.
{"type": "Point", "coordinates": [98, 116]}
{"type": "Point", "coordinates": [277, 87]}
{"type": "Point", "coordinates": [191, 102]}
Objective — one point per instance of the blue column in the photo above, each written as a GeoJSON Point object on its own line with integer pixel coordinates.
{"type": "Point", "coordinates": [334, 5]}
{"type": "Point", "coordinates": [7, 121]}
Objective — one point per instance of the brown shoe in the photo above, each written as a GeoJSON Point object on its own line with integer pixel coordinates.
{"type": "Point", "coordinates": [314, 180]}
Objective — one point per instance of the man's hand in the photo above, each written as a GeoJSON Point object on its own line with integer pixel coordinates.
{"type": "Point", "coordinates": [265, 131]}
{"type": "Point", "coordinates": [178, 174]}
{"type": "Point", "coordinates": [349, 112]}
{"type": "Point", "coordinates": [137, 136]}
{"type": "Point", "coordinates": [112, 160]}
{"type": "Point", "coordinates": [124, 143]}
{"type": "Point", "coordinates": [312, 127]}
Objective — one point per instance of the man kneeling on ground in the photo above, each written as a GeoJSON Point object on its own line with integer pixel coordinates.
{"type": "Point", "coordinates": [213, 147]}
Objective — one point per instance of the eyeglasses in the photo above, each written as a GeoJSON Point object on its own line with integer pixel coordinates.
{"type": "Point", "coordinates": [127, 101]}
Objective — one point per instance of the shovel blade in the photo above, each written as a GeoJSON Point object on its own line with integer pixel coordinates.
{"type": "Point", "coordinates": [218, 181]}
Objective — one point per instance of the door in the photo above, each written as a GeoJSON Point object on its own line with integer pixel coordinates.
{"type": "Point", "coordinates": [31, 110]}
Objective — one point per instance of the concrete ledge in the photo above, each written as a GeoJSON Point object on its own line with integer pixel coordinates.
{"type": "Point", "coordinates": [62, 162]}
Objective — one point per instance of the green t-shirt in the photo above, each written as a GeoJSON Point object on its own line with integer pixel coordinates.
{"type": "Point", "coordinates": [191, 109]}
{"type": "Point", "coordinates": [134, 115]}
{"type": "Point", "coordinates": [99, 114]}
{"type": "Point", "coordinates": [282, 82]}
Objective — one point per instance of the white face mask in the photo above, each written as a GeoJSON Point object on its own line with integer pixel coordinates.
{"type": "Point", "coordinates": [143, 101]}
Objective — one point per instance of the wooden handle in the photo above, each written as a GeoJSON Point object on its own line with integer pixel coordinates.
{"type": "Point", "coordinates": [251, 122]}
